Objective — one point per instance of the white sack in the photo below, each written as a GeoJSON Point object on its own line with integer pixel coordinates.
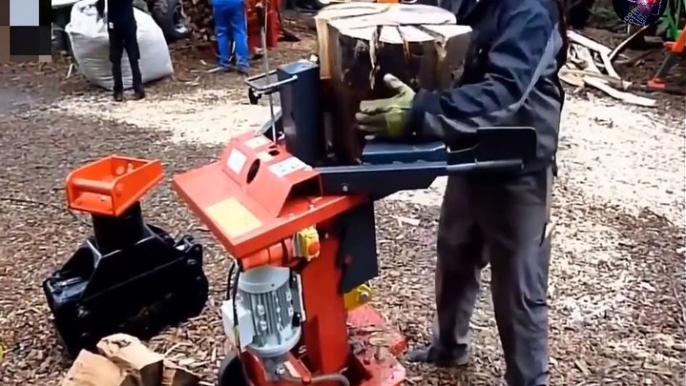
{"type": "Point", "coordinates": [90, 47]}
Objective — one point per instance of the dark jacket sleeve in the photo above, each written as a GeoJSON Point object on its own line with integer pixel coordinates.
{"type": "Point", "coordinates": [514, 65]}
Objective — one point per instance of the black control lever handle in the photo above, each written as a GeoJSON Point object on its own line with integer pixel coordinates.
{"type": "Point", "coordinates": [485, 166]}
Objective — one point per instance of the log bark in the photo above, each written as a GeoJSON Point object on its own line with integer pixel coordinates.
{"type": "Point", "coordinates": [94, 370]}
{"type": "Point", "coordinates": [361, 42]}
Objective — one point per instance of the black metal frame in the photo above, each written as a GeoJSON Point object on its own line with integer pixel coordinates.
{"type": "Point", "coordinates": [386, 167]}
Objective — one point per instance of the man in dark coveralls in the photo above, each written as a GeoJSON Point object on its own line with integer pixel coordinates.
{"type": "Point", "coordinates": [121, 26]}
{"type": "Point", "coordinates": [510, 79]}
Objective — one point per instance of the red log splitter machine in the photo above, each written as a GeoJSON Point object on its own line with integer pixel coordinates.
{"type": "Point", "coordinates": [301, 229]}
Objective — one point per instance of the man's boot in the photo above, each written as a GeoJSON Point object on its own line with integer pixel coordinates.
{"type": "Point", "coordinates": [439, 358]}
{"type": "Point", "coordinates": [118, 96]}
{"type": "Point", "coordinates": [244, 71]}
{"type": "Point", "coordinates": [139, 94]}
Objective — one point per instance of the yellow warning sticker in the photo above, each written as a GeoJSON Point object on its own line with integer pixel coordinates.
{"type": "Point", "coordinates": [233, 217]}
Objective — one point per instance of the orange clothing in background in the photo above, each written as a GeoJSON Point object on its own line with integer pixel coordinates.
{"type": "Point", "coordinates": [272, 24]}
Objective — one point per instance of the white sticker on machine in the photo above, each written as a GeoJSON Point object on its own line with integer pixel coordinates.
{"type": "Point", "coordinates": [256, 142]}
{"type": "Point", "coordinates": [287, 166]}
{"type": "Point", "coordinates": [236, 161]}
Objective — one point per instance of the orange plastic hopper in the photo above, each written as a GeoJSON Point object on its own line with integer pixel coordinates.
{"type": "Point", "coordinates": [111, 185]}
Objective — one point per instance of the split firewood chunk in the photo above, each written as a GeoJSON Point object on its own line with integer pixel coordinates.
{"type": "Point", "coordinates": [130, 354]}
{"type": "Point", "coordinates": [94, 370]}
{"type": "Point", "coordinates": [178, 376]}
{"type": "Point", "coordinates": [361, 42]}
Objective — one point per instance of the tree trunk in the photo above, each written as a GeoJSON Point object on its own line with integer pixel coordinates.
{"type": "Point", "coordinates": [361, 42]}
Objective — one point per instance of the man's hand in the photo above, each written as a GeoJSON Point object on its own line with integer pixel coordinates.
{"type": "Point", "coordinates": [387, 117]}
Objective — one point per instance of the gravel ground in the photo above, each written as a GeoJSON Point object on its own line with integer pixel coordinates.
{"type": "Point", "coordinates": [617, 286]}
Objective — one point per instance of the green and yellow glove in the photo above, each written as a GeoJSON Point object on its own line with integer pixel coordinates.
{"type": "Point", "coordinates": [387, 117]}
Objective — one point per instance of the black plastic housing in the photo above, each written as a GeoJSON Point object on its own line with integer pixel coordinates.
{"type": "Point", "coordinates": [128, 277]}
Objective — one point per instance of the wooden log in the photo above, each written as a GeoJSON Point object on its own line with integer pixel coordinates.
{"type": "Point", "coordinates": [585, 55]}
{"type": "Point", "coordinates": [361, 42]}
{"type": "Point", "coordinates": [336, 12]}
{"type": "Point", "coordinates": [177, 376]}
{"type": "Point", "coordinates": [619, 95]}
{"type": "Point", "coordinates": [604, 52]}
{"type": "Point", "coordinates": [199, 15]}
{"type": "Point", "coordinates": [588, 43]}
{"type": "Point", "coordinates": [94, 370]}
{"type": "Point", "coordinates": [130, 354]}
{"type": "Point", "coordinates": [580, 74]}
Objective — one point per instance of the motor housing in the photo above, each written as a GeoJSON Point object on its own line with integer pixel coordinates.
{"type": "Point", "coordinates": [268, 311]}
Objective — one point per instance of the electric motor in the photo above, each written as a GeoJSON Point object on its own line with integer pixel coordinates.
{"type": "Point", "coordinates": [269, 311]}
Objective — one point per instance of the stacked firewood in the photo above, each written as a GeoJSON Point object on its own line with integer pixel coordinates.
{"type": "Point", "coordinates": [590, 64]}
{"type": "Point", "coordinates": [199, 14]}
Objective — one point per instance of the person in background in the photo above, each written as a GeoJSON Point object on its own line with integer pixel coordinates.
{"type": "Point", "coordinates": [121, 27]}
{"type": "Point", "coordinates": [510, 79]}
{"type": "Point", "coordinates": [231, 28]}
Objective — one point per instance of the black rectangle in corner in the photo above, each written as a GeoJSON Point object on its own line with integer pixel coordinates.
{"type": "Point", "coordinates": [45, 13]}
{"type": "Point", "coordinates": [30, 41]}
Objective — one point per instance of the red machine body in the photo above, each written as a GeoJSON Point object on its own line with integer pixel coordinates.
{"type": "Point", "coordinates": [253, 200]}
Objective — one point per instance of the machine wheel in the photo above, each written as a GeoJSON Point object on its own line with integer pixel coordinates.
{"type": "Point", "coordinates": [169, 15]}
{"type": "Point", "coordinates": [231, 372]}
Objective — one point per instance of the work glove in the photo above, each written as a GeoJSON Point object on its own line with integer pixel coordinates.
{"type": "Point", "coordinates": [387, 118]}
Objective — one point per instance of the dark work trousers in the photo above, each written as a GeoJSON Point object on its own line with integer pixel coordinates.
{"type": "Point", "coordinates": [501, 221]}
{"type": "Point", "coordinates": [123, 38]}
